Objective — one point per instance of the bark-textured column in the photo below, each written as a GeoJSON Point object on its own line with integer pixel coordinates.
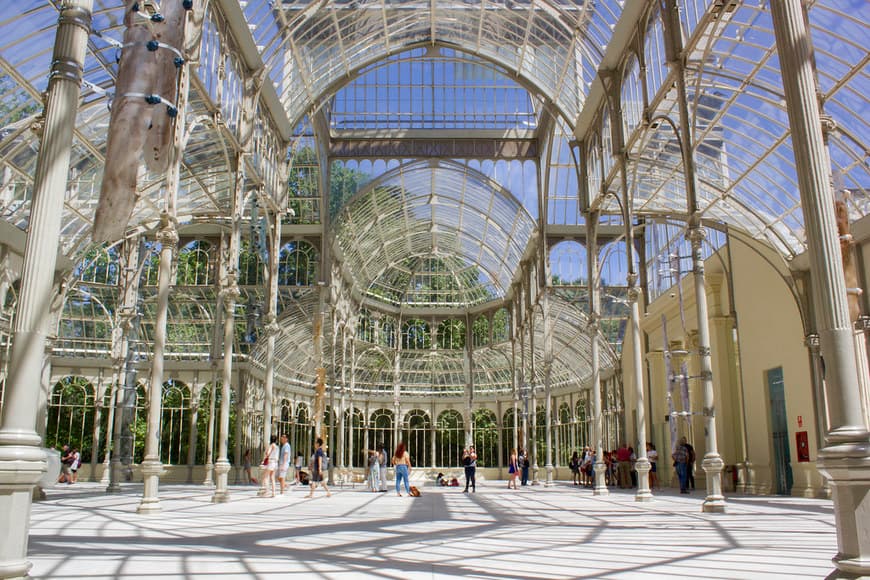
{"type": "Point", "coordinates": [151, 466]}
{"type": "Point", "coordinates": [845, 460]}
{"type": "Point", "coordinates": [22, 461]}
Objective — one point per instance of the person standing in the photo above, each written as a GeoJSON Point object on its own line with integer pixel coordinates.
{"type": "Point", "coordinates": [374, 470]}
{"type": "Point", "coordinates": [246, 466]}
{"type": "Point", "coordinates": [690, 464]}
{"type": "Point", "coordinates": [575, 468]}
{"type": "Point", "coordinates": [402, 462]}
{"type": "Point", "coordinates": [382, 466]}
{"type": "Point", "coordinates": [284, 454]}
{"type": "Point", "coordinates": [469, 461]}
{"type": "Point", "coordinates": [653, 457]}
{"type": "Point", "coordinates": [513, 469]}
{"type": "Point", "coordinates": [525, 464]}
{"type": "Point", "coordinates": [623, 466]}
{"type": "Point", "coordinates": [681, 459]}
{"type": "Point", "coordinates": [317, 465]}
{"type": "Point", "coordinates": [270, 462]}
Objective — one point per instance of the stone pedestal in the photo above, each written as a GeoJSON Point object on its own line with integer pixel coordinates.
{"type": "Point", "coordinates": [221, 492]}
{"type": "Point", "coordinates": [151, 469]}
{"type": "Point", "coordinates": [643, 466]}
{"type": "Point", "coordinates": [715, 501]}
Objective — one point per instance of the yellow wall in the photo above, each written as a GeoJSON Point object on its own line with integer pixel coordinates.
{"type": "Point", "coordinates": [769, 334]}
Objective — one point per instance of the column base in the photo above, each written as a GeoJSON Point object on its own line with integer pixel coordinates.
{"type": "Point", "coordinates": [22, 465]}
{"type": "Point", "coordinates": [151, 469]}
{"type": "Point", "coordinates": [221, 491]}
{"type": "Point", "coordinates": [847, 466]}
{"type": "Point", "coordinates": [209, 471]}
{"type": "Point", "coordinates": [106, 477]}
{"type": "Point", "coordinates": [714, 503]}
{"type": "Point", "coordinates": [263, 491]}
{"type": "Point", "coordinates": [550, 469]}
{"type": "Point", "coordinates": [15, 569]}
{"type": "Point", "coordinates": [600, 485]}
{"type": "Point", "coordinates": [643, 494]}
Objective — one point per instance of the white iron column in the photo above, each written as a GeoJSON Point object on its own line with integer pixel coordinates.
{"type": "Point", "coordinates": [548, 396]}
{"type": "Point", "coordinates": [22, 461]}
{"type": "Point", "coordinates": [600, 483]}
{"type": "Point", "coordinates": [151, 466]}
{"type": "Point", "coordinates": [846, 458]}
{"type": "Point", "coordinates": [106, 478]}
{"type": "Point", "coordinates": [209, 443]}
{"type": "Point", "coordinates": [229, 295]}
{"type": "Point", "coordinates": [642, 464]}
{"type": "Point", "coordinates": [712, 463]}
{"type": "Point", "coordinates": [352, 416]}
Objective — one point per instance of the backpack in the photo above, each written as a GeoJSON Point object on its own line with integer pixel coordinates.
{"type": "Point", "coordinates": [414, 492]}
{"type": "Point", "coordinates": [324, 463]}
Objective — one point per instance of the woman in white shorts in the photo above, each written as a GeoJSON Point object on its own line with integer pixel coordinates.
{"type": "Point", "coordinates": [270, 462]}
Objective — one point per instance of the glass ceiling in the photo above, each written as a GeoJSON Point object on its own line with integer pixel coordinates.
{"type": "Point", "coordinates": [433, 234]}
{"type": "Point", "coordinates": [448, 231]}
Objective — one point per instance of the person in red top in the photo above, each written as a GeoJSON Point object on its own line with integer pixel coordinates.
{"type": "Point", "coordinates": [623, 466]}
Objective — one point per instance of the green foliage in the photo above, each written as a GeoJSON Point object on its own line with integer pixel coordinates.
{"type": "Point", "coordinates": [193, 265]}
{"type": "Point", "coordinates": [451, 334]}
{"type": "Point", "coordinates": [501, 325]}
{"type": "Point", "coordinates": [343, 185]}
{"type": "Point", "coordinates": [15, 102]}
{"type": "Point", "coordinates": [480, 331]}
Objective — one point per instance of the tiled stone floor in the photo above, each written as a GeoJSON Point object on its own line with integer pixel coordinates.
{"type": "Point", "coordinates": [534, 532]}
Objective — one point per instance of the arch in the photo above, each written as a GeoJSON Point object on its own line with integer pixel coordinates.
{"type": "Point", "coordinates": [480, 331]}
{"type": "Point", "coordinates": [417, 435]}
{"type": "Point", "coordinates": [251, 268]}
{"type": "Point", "coordinates": [99, 266]}
{"type": "Point", "coordinates": [174, 424]}
{"type": "Point", "coordinates": [451, 334]}
{"type": "Point", "coordinates": [568, 264]}
{"type": "Point", "coordinates": [297, 264]}
{"type": "Point", "coordinates": [509, 434]}
{"type": "Point", "coordinates": [381, 429]}
{"type": "Point", "coordinates": [501, 326]}
{"type": "Point", "coordinates": [194, 265]}
{"type": "Point", "coordinates": [70, 415]}
{"type": "Point", "coordinates": [631, 97]}
{"type": "Point", "coordinates": [416, 334]}
{"type": "Point", "coordinates": [485, 437]}
{"type": "Point", "coordinates": [449, 438]}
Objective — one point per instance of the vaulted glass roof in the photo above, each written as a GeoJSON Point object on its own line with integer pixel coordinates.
{"type": "Point", "coordinates": [460, 93]}
{"type": "Point", "coordinates": [433, 233]}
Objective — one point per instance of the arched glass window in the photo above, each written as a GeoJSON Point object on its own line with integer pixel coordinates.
{"type": "Point", "coordinates": [251, 270]}
{"type": "Point", "coordinates": [381, 430]}
{"type": "Point", "coordinates": [194, 265]}
{"type": "Point", "coordinates": [451, 334]}
{"type": "Point", "coordinates": [71, 416]}
{"type": "Point", "coordinates": [387, 334]}
{"type": "Point", "coordinates": [365, 326]}
{"type": "Point", "coordinates": [297, 264]}
{"type": "Point", "coordinates": [302, 442]}
{"type": "Point", "coordinates": [568, 264]}
{"type": "Point", "coordinates": [501, 326]}
{"type": "Point", "coordinates": [175, 423]}
{"type": "Point", "coordinates": [593, 167]}
{"type": "Point", "coordinates": [565, 443]}
{"type": "Point", "coordinates": [485, 437]}
{"type": "Point", "coordinates": [100, 266]}
{"type": "Point", "coordinates": [354, 424]}
{"type": "Point", "coordinates": [631, 98]}
{"type": "Point", "coordinates": [606, 141]}
{"type": "Point", "coordinates": [418, 437]}
{"type": "Point", "coordinates": [654, 55]}
{"type": "Point", "coordinates": [449, 439]}
{"type": "Point", "coordinates": [480, 331]}
{"type": "Point", "coordinates": [416, 334]}
{"type": "Point", "coordinates": [508, 434]}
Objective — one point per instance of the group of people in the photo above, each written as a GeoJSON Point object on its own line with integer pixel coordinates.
{"type": "Point", "coordinates": [619, 466]}
{"type": "Point", "coordinates": [377, 471]}
{"type": "Point", "coordinates": [518, 468]}
{"type": "Point", "coordinates": [70, 461]}
{"type": "Point", "coordinates": [276, 462]}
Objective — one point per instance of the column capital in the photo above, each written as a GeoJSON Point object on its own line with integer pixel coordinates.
{"type": "Point", "coordinates": [230, 294]}
{"type": "Point", "coordinates": [696, 234]}
{"type": "Point", "coordinates": [167, 235]}
{"type": "Point", "coordinates": [812, 342]}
